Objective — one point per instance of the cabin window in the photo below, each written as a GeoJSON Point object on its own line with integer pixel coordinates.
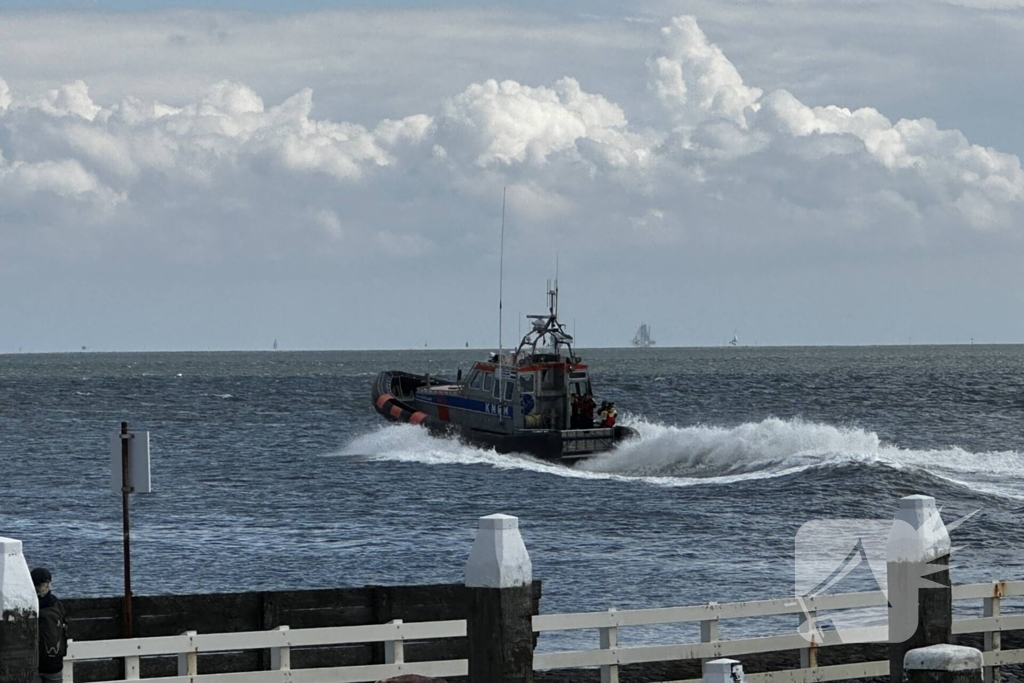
{"type": "Point", "coordinates": [526, 382]}
{"type": "Point", "coordinates": [578, 388]}
{"type": "Point", "coordinates": [578, 374]}
{"type": "Point", "coordinates": [497, 389]}
{"type": "Point", "coordinates": [546, 378]}
{"type": "Point", "coordinates": [488, 381]}
{"type": "Point", "coordinates": [474, 379]}
{"type": "Point", "coordinates": [510, 389]}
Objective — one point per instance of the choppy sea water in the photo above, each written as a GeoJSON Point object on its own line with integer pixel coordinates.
{"type": "Point", "coordinates": [271, 471]}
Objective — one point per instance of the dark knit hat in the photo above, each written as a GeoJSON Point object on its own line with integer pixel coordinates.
{"type": "Point", "coordinates": [41, 575]}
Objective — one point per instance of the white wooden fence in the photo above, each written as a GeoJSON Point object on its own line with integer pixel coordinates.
{"type": "Point", "coordinates": [609, 656]}
{"type": "Point", "coordinates": [279, 641]}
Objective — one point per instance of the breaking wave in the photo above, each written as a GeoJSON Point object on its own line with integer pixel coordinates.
{"type": "Point", "coordinates": [705, 455]}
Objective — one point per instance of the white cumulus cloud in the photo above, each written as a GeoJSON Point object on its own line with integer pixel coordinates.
{"type": "Point", "coordinates": [509, 122]}
{"type": "Point", "coordinates": [5, 95]}
{"type": "Point", "coordinates": [62, 179]}
{"type": "Point", "coordinates": [71, 99]}
{"type": "Point", "coordinates": [574, 155]}
{"type": "Point", "coordinates": [696, 80]}
{"type": "Point", "coordinates": [723, 120]}
{"type": "Point", "coordinates": [974, 179]}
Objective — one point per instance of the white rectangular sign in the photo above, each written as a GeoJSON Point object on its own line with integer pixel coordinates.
{"type": "Point", "coordinates": [138, 462]}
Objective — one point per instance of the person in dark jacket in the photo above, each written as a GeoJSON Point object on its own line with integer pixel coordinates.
{"type": "Point", "coordinates": [53, 629]}
{"type": "Point", "coordinates": [587, 412]}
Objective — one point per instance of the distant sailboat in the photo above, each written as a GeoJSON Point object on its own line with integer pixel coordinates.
{"type": "Point", "coordinates": [735, 340]}
{"type": "Point", "coordinates": [275, 345]}
{"type": "Point", "coordinates": [642, 338]}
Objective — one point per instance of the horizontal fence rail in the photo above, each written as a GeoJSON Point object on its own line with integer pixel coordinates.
{"type": "Point", "coordinates": [609, 656]}
{"type": "Point", "coordinates": [279, 641]}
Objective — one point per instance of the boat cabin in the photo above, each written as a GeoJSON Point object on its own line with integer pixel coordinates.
{"type": "Point", "coordinates": [534, 387]}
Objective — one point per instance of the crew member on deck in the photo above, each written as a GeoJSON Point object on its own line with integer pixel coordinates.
{"type": "Point", "coordinates": [608, 414]}
{"type": "Point", "coordinates": [574, 416]}
{"type": "Point", "coordinates": [587, 412]}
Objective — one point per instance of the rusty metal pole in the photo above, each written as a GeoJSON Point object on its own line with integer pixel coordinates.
{"type": "Point", "coordinates": [125, 490]}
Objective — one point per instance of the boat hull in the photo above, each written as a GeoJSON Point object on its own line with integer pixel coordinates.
{"type": "Point", "coordinates": [567, 445]}
{"type": "Point", "coordinates": [395, 398]}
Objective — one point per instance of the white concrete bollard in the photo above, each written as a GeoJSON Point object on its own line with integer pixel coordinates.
{"type": "Point", "coordinates": [723, 671]}
{"type": "Point", "coordinates": [943, 664]}
{"type": "Point", "coordinates": [917, 574]}
{"type": "Point", "coordinates": [19, 616]}
{"type": "Point", "coordinates": [498, 558]}
{"type": "Point", "coordinates": [499, 583]}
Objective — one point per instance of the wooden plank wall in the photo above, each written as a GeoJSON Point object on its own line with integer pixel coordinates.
{"type": "Point", "coordinates": [163, 615]}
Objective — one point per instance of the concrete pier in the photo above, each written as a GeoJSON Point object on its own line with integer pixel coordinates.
{"type": "Point", "coordinates": [917, 573]}
{"type": "Point", "coordinates": [499, 627]}
{"type": "Point", "coordinates": [19, 616]}
{"type": "Point", "coordinates": [723, 671]}
{"type": "Point", "coordinates": [943, 664]}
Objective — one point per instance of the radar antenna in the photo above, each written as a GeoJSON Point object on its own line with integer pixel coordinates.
{"type": "Point", "coordinates": [546, 329]}
{"type": "Point", "coordinates": [501, 281]}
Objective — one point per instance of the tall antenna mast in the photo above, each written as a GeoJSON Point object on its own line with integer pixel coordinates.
{"type": "Point", "coordinates": [501, 281]}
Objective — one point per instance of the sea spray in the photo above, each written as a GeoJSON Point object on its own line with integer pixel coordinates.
{"type": "Point", "coordinates": [669, 455]}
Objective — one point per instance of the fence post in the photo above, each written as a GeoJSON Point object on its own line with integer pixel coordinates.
{"type": "Point", "coordinates": [188, 662]}
{"type": "Point", "coordinates": [610, 641]}
{"type": "Point", "coordinates": [943, 664]}
{"type": "Point", "coordinates": [132, 670]}
{"type": "Point", "coordinates": [68, 672]}
{"type": "Point", "coordinates": [270, 618]}
{"type": "Point", "coordinates": [499, 586]}
{"type": "Point", "coordinates": [709, 631]}
{"type": "Point", "coordinates": [19, 616]}
{"type": "Point", "coordinates": [723, 671]}
{"type": "Point", "coordinates": [394, 650]}
{"type": "Point", "coordinates": [281, 657]}
{"type": "Point", "coordinates": [917, 572]}
{"type": "Point", "coordinates": [993, 639]}
{"type": "Point", "coordinates": [809, 654]}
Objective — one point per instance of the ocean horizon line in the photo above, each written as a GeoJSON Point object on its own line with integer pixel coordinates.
{"type": "Point", "coordinates": [492, 349]}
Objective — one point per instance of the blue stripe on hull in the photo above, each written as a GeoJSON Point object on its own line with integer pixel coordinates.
{"type": "Point", "coordinates": [463, 403]}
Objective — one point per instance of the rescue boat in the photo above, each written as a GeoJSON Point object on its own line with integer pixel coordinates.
{"type": "Point", "coordinates": [522, 402]}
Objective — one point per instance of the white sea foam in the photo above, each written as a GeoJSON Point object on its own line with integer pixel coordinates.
{"type": "Point", "coordinates": [409, 443]}
{"type": "Point", "coordinates": [700, 455]}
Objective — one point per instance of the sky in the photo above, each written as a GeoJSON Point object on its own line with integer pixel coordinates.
{"type": "Point", "coordinates": [177, 176]}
